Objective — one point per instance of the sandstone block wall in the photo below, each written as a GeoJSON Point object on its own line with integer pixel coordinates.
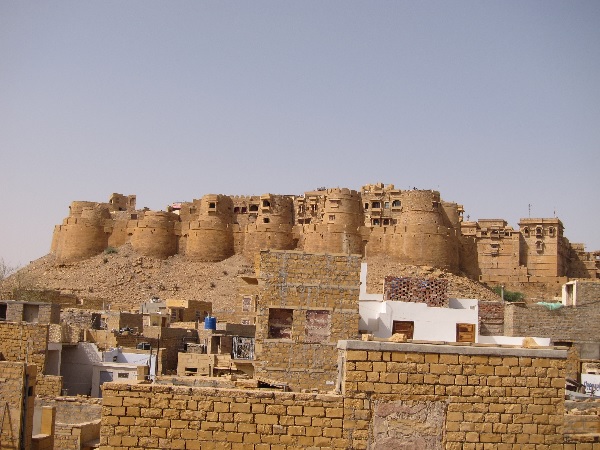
{"type": "Point", "coordinates": [24, 342]}
{"type": "Point", "coordinates": [447, 397]}
{"type": "Point", "coordinates": [580, 323]}
{"type": "Point", "coordinates": [49, 385]}
{"type": "Point", "coordinates": [306, 304]}
{"type": "Point", "coordinates": [17, 390]}
{"type": "Point", "coordinates": [392, 396]}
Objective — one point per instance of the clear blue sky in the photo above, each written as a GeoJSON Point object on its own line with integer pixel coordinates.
{"type": "Point", "coordinates": [496, 104]}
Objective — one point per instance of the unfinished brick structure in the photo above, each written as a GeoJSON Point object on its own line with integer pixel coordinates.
{"type": "Point", "coordinates": [432, 292]}
{"type": "Point", "coordinates": [412, 226]}
{"type": "Point", "coordinates": [390, 395]}
{"type": "Point", "coordinates": [307, 302]}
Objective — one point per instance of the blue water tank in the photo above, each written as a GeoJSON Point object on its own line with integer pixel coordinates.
{"type": "Point", "coordinates": [210, 323]}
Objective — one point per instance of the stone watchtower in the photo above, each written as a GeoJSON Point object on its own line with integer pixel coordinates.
{"type": "Point", "coordinates": [154, 234]}
{"type": "Point", "coordinates": [209, 232]}
{"type": "Point", "coordinates": [272, 227]}
{"type": "Point", "coordinates": [82, 234]}
{"type": "Point", "coordinates": [336, 223]}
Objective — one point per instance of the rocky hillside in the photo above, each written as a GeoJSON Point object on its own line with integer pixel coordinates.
{"type": "Point", "coordinates": [125, 279]}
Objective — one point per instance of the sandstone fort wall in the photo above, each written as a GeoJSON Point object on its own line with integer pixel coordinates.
{"type": "Point", "coordinates": [411, 226]}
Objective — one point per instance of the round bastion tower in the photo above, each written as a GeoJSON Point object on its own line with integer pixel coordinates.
{"type": "Point", "coordinates": [339, 227]}
{"type": "Point", "coordinates": [210, 236]}
{"type": "Point", "coordinates": [82, 234]}
{"type": "Point", "coordinates": [426, 235]}
{"type": "Point", "coordinates": [272, 227]}
{"type": "Point", "coordinates": [154, 234]}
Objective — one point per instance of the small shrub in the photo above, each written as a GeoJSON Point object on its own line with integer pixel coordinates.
{"type": "Point", "coordinates": [509, 296]}
{"type": "Point", "coordinates": [110, 250]}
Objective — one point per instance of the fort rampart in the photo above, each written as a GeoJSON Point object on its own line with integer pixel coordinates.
{"type": "Point", "coordinates": [411, 226]}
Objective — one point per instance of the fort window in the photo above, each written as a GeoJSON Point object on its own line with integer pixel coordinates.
{"type": "Point", "coordinates": [313, 208]}
{"type": "Point", "coordinates": [280, 323]}
{"type": "Point", "coordinates": [526, 232]}
{"type": "Point", "coordinates": [386, 222]}
{"type": "Point", "coordinates": [246, 304]}
{"type": "Point", "coordinates": [134, 217]}
{"type": "Point", "coordinates": [386, 205]}
{"type": "Point", "coordinates": [318, 326]}
{"type": "Point", "coordinates": [244, 210]}
{"type": "Point", "coordinates": [396, 204]}
{"type": "Point", "coordinates": [236, 209]}
{"type": "Point", "coordinates": [539, 232]}
{"type": "Point", "coordinates": [266, 220]}
{"type": "Point", "coordinates": [253, 208]}
{"type": "Point", "coordinates": [301, 209]}
{"type": "Point", "coordinates": [376, 222]}
{"type": "Point", "coordinates": [539, 246]}
{"type": "Point", "coordinates": [366, 206]}
{"type": "Point", "coordinates": [376, 205]}
{"type": "Point", "coordinates": [551, 231]}
{"type": "Point", "coordinates": [266, 203]}
{"type": "Point", "coordinates": [331, 217]}
{"type": "Point", "coordinates": [2, 311]}
{"type": "Point", "coordinates": [123, 375]}
{"type": "Point", "coordinates": [212, 205]}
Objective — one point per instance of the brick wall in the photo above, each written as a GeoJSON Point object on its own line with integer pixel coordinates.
{"type": "Point", "coordinates": [580, 323]}
{"type": "Point", "coordinates": [17, 383]}
{"type": "Point", "coordinates": [48, 385]}
{"type": "Point", "coordinates": [157, 417]}
{"type": "Point", "coordinates": [420, 396]}
{"type": "Point", "coordinates": [307, 302]}
{"type": "Point", "coordinates": [435, 396]}
{"type": "Point", "coordinates": [433, 292]}
{"type": "Point", "coordinates": [24, 341]}
{"type": "Point", "coordinates": [491, 318]}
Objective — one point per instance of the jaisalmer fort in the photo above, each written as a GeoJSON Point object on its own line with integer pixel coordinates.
{"type": "Point", "coordinates": [310, 357]}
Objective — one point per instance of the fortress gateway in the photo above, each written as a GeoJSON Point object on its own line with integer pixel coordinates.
{"type": "Point", "coordinates": [410, 226]}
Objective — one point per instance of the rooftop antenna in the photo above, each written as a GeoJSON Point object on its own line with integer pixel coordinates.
{"type": "Point", "coordinates": [529, 210]}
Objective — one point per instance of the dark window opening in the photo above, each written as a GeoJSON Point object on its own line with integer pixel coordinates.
{"type": "Point", "coordinates": [244, 209]}
{"type": "Point", "coordinates": [386, 222]}
{"type": "Point", "coordinates": [212, 205]}
{"type": "Point", "coordinates": [407, 328]}
{"type": "Point", "coordinates": [396, 204]}
{"type": "Point", "coordinates": [3, 311]}
{"type": "Point", "coordinates": [539, 232]}
{"type": "Point", "coordinates": [266, 220]}
{"type": "Point", "coordinates": [253, 207]}
{"type": "Point", "coordinates": [376, 222]}
{"type": "Point", "coordinates": [376, 205]}
{"type": "Point", "coordinates": [266, 203]}
{"type": "Point", "coordinates": [366, 206]}
{"type": "Point", "coordinates": [236, 209]}
{"type": "Point", "coordinates": [280, 323]}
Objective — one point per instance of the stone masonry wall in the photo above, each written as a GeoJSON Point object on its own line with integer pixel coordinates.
{"type": "Point", "coordinates": [158, 417]}
{"type": "Point", "coordinates": [17, 387]}
{"type": "Point", "coordinates": [307, 303]}
{"type": "Point", "coordinates": [449, 397]}
{"type": "Point", "coordinates": [571, 323]}
{"type": "Point", "coordinates": [24, 342]}
{"type": "Point", "coordinates": [393, 395]}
